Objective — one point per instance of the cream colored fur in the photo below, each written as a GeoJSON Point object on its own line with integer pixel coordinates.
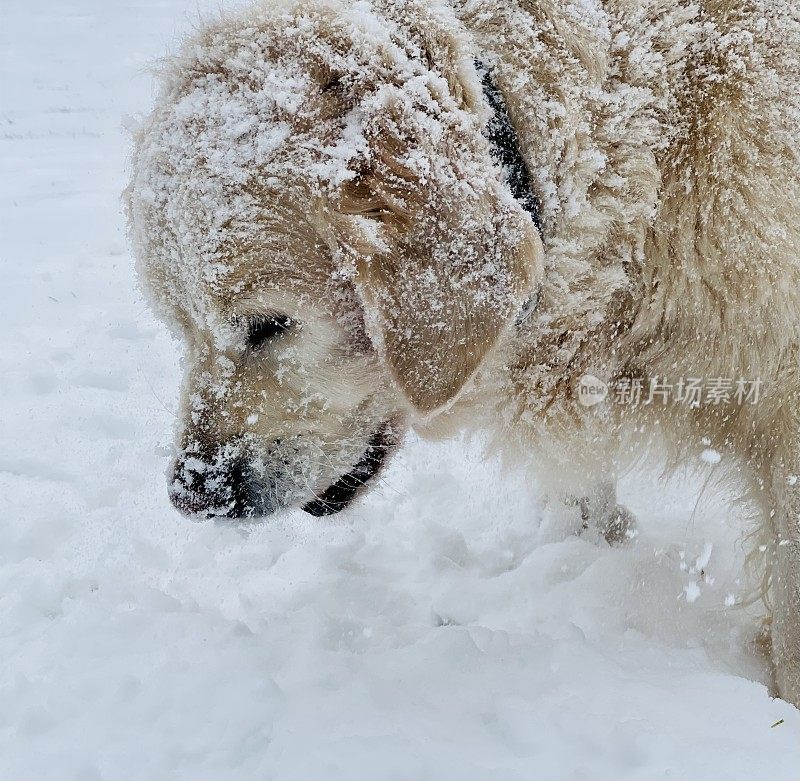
{"type": "Point", "coordinates": [326, 160]}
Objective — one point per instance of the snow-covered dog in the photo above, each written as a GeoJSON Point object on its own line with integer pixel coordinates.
{"type": "Point", "coordinates": [571, 223]}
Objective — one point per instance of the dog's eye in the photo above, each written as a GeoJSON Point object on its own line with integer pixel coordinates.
{"type": "Point", "coordinates": [262, 329]}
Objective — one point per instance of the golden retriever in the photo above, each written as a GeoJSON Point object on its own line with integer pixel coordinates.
{"type": "Point", "coordinates": [574, 224]}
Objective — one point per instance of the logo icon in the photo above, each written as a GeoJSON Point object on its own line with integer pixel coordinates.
{"type": "Point", "coordinates": [591, 390]}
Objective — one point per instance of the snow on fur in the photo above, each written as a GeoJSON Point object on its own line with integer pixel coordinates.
{"type": "Point", "coordinates": [329, 161]}
{"type": "Point", "coordinates": [449, 626]}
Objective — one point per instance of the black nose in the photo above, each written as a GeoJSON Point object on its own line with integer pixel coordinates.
{"type": "Point", "coordinates": [200, 488]}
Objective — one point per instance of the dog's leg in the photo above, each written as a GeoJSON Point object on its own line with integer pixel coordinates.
{"type": "Point", "coordinates": [785, 522]}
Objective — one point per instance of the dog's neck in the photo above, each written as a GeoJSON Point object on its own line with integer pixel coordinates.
{"type": "Point", "coordinates": [595, 174]}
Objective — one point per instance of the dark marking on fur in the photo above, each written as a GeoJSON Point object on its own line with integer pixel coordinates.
{"type": "Point", "coordinates": [505, 148]}
{"type": "Point", "coordinates": [346, 488]}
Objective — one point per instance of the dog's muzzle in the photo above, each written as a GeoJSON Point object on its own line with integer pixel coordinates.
{"type": "Point", "coordinates": [229, 488]}
{"type": "Point", "coordinates": [226, 491]}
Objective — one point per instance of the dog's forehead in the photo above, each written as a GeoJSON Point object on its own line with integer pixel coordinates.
{"type": "Point", "coordinates": [226, 184]}
{"type": "Point", "coordinates": [240, 284]}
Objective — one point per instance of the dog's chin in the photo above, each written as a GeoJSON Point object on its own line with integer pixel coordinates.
{"type": "Point", "coordinates": [341, 494]}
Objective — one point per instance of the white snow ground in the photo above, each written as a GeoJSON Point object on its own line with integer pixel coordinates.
{"type": "Point", "coordinates": [446, 628]}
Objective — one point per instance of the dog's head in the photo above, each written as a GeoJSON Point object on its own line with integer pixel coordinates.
{"type": "Point", "coordinates": [316, 211]}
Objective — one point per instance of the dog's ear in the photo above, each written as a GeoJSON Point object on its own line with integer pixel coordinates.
{"type": "Point", "coordinates": [440, 253]}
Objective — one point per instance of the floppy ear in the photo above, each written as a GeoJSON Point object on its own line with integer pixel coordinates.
{"type": "Point", "coordinates": [441, 254]}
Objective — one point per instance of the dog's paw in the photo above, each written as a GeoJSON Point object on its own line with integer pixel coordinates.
{"type": "Point", "coordinates": [618, 526]}
{"type": "Point", "coordinates": [615, 523]}
{"type": "Point", "coordinates": [594, 517]}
